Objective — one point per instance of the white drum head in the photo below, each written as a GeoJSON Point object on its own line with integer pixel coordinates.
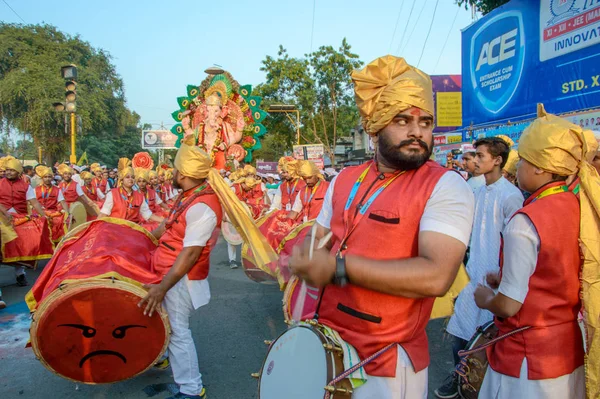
{"type": "Point", "coordinates": [78, 215]}
{"type": "Point", "coordinates": [295, 367]}
{"type": "Point", "coordinates": [230, 233]}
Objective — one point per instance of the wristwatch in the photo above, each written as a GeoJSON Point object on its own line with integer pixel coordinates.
{"type": "Point", "coordinates": [340, 278]}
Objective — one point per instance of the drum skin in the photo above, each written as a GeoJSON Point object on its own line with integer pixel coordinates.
{"type": "Point", "coordinates": [77, 333]}
{"type": "Point", "coordinates": [476, 363]}
{"type": "Point", "coordinates": [86, 325]}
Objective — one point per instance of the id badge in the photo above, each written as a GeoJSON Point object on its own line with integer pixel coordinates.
{"type": "Point", "coordinates": [288, 207]}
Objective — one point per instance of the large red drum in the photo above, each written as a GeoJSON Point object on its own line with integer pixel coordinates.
{"type": "Point", "coordinates": [86, 325]}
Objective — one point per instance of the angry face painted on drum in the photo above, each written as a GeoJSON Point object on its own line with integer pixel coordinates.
{"type": "Point", "coordinates": [99, 335]}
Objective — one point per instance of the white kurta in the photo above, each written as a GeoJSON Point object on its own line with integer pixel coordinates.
{"type": "Point", "coordinates": [521, 247]}
{"type": "Point", "coordinates": [494, 206]}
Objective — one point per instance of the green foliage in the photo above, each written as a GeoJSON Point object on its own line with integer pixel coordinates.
{"type": "Point", "coordinates": [484, 6]}
{"type": "Point", "coordinates": [319, 85]}
{"type": "Point", "coordinates": [30, 81]}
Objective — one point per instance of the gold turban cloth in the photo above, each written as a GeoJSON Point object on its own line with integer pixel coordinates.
{"type": "Point", "coordinates": [13, 163]}
{"type": "Point", "coordinates": [160, 171]}
{"type": "Point", "coordinates": [192, 162]}
{"type": "Point", "coordinates": [141, 173]}
{"type": "Point", "coordinates": [511, 163]}
{"type": "Point", "coordinates": [309, 169]}
{"type": "Point", "coordinates": [507, 140]}
{"type": "Point", "coordinates": [557, 146]}
{"type": "Point", "coordinates": [592, 144]}
{"type": "Point", "coordinates": [152, 174]}
{"type": "Point", "coordinates": [291, 166]}
{"type": "Point", "coordinates": [124, 168]}
{"type": "Point", "coordinates": [94, 166]}
{"type": "Point", "coordinates": [86, 175]}
{"type": "Point", "coordinates": [64, 168]}
{"type": "Point", "coordinates": [388, 86]}
{"type": "Point", "coordinates": [249, 170]}
{"type": "Point", "coordinates": [42, 170]}
{"type": "Point", "coordinates": [250, 182]}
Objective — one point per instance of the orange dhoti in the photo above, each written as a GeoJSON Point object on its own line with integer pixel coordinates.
{"type": "Point", "coordinates": [33, 240]}
{"type": "Point", "coordinates": [86, 325]}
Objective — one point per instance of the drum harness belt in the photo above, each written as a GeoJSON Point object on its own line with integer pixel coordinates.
{"type": "Point", "coordinates": [462, 369]}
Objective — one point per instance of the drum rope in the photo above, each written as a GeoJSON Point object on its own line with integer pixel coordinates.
{"type": "Point", "coordinates": [463, 369]}
{"type": "Point", "coordinates": [357, 366]}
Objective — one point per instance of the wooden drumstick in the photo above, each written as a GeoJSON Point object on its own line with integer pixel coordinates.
{"type": "Point", "coordinates": [297, 311]}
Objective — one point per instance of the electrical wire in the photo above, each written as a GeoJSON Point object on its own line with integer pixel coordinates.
{"type": "Point", "coordinates": [8, 5]}
{"type": "Point", "coordinates": [406, 26]}
{"type": "Point", "coordinates": [396, 27]}
{"type": "Point", "coordinates": [447, 38]}
{"type": "Point", "coordinates": [413, 28]}
{"type": "Point", "coordinates": [312, 30]}
{"type": "Point", "coordinates": [428, 33]}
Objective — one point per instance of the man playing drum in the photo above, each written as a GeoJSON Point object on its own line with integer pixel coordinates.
{"type": "Point", "coordinates": [183, 255]}
{"type": "Point", "coordinates": [400, 226]}
{"type": "Point", "coordinates": [539, 282]}
{"type": "Point", "coordinates": [291, 186]}
{"type": "Point", "coordinates": [310, 199]}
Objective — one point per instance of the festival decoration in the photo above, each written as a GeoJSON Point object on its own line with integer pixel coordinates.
{"type": "Point", "coordinates": [142, 160]}
{"type": "Point", "coordinates": [224, 118]}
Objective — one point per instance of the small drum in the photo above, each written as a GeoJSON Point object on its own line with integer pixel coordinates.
{"type": "Point", "coordinates": [299, 365]}
{"type": "Point", "coordinates": [78, 215]}
{"type": "Point", "coordinates": [230, 233]}
{"type": "Point", "coordinates": [86, 325]}
{"type": "Point", "coordinates": [473, 366]}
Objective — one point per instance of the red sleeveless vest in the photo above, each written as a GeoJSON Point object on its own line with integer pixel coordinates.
{"type": "Point", "coordinates": [171, 242]}
{"type": "Point", "coordinates": [370, 320]}
{"type": "Point", "coordinates": [48, 198]}
{"type": "Point", "coordinates": [13, 194]}
{"type": "Point", "coordinates": [69, 191]}
{"type": "Point", "coordinates": [554, 344]}
{"type": "Point", "coordinates": [289, 191]}
{"type": "Point", "coordinates": [151, 199]}
{"type": "Point", "coordinates": [128, 209]}
{"type": "Point", "coordinates": [312, 206]}
{"type": "Point", "coordinates": [91, 193]}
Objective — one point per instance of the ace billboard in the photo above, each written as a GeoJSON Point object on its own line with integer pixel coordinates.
{"type": "Point", "coordinates": [531, 51]}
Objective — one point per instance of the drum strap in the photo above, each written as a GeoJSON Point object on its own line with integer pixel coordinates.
{"type": "Point", "coordinates": [357, 366]}
{"type": "Point", "coordinates": [462, 369]}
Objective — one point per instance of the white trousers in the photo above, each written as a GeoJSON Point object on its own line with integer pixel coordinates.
{"type": "Point", "coordinates": [232, 251]}
{"type": "Point", "coordinates": [406, 385]}
{"type": "Point", "coordinates": [182, 351]}
{"type": "Point", "coordinates": [19, 270]}
{"type": "Point", "coordinates": [500, 386]}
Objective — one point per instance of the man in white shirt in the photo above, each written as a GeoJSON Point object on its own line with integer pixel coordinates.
{"type": "Point", "coordinates": [468, 163]}
{"type": "Point", "coordinates": [495, 203]}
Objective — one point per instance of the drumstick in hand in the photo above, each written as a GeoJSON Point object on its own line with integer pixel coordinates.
{"type": "Point", "coordinates": [297, 311]}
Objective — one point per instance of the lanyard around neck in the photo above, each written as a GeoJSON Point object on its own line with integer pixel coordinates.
{"type": "Point", "coordinates": [550, 191]}
{"type": "Point", "coordinates": [314, 190]}
{"type": "Point", "coordinates": [361, 208]}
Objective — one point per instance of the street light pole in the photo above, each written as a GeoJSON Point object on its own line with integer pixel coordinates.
{"type": "Point", "coordinates": [73, 158]}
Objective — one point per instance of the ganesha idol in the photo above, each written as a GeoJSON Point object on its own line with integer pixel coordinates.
{"type": "Point", "coordinates": [223, 117]}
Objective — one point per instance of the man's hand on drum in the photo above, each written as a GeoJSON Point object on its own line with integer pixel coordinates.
{"type": "Point", "coordinates": [154, 298]}
{"type": "Point", "coordinates": [318, 271]}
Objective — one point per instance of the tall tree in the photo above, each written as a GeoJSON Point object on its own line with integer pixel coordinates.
{"type": "Point", "coordinates": [484, 6]}
{"type": "Point", "coordinates": [319, 85]}
{"type": "Point", "coordinates": [30, 61]}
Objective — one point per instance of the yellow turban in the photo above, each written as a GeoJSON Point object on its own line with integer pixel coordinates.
{"type": "Point", "coordinates": [152, 174]}
{"type": "Point", "coordinates": [94, 165]}
{"type": "Point", "coordinates": [511, 163]}
{"type": "Point", "coordinates": [560, 147]}
{"type": "Point", "coordinates": [592, 144]}
{"type": "Point", "coordinates": [14, 164]}
{"type": "Point", "coordinates": [169, 174]}
{"type": "Point", "coordinates": [42, 170]}
{"type": "Point", "coordinates": [96, 169]}
{"type": "Point", "coordinates": [86, 175]}
{"type": "Point", "coordinates": [191, 161]}
{"type": "Point", "coordinates": [128, 170]}
{"type": "Point", "coordinates": [291, 167]}
{"type": "Point", "coordinates": [249, 170]}
{"type": "Point", "coordinates": [141, 173]}
{"type": "Point", "coordinates": [388, 86]}
{"type": "Point", "coordinates": [64, 168]}
{"type": "Point", "coordinates": [308, 169]}
{"type": "Point", "coordinates": [250, 182]}
{"type": "Point", "coordinates": [507, 139]}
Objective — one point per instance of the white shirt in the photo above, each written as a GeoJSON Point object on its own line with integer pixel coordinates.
{"type": "Point", "coordinates": [297, 207]}
{"type": "Point", "coordinates": [30, 195]}
{"type": "Point", "coordinates": [448, 211]}
{"type": "Point", "coordinates": [276, 202]}
{"type": "Point", "coordinates": [109, 203]}
{"type": "Point", "coordinates": [476, 181]}
{"type": "Point", "coordinates": [494, 206]}
{"type": "Point", "coordinates": [77, 179]}
{"type": "Point", "coordinates": [201, 222]}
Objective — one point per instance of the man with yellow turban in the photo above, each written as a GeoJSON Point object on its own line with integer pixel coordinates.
{"type": "Point", "coordinates": [310, 199]}
{"type": "Point", "coordinates": [399, 225]}
{"type": "Point", "coordinates": [52, 201]}
{"type": "Point", "coordinates": [124, 202]}
{"type": "Point", "coordinates": [73, 192]}
{"type": "Point", "coordinates": [33, 235]}
{"type": "Point", "coordinates": [292, 184]}
{"type": "Point", "coordinates": [158, 208]}
{"type": "Point", "coordinates": [90, 188]}
{"type": "Point", "coordinates": [99, 181]}
{"type": "Point", "coordinates": [541, 289]}
{"type": "Point", "coordinates": [183, 255]}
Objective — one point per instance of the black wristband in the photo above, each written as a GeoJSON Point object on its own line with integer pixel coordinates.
{"type": "Point", "coordinates": [340, 278]}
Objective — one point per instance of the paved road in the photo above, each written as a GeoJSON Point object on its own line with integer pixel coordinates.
{"type": "Point", "coordinates": [229, 334]}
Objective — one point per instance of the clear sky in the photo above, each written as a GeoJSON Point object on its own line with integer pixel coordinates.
{"type": "Point", "coordinates": [160, 46]}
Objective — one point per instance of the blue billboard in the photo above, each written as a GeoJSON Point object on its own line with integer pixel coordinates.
{"type": "Point", "coordinates": [531, 51]}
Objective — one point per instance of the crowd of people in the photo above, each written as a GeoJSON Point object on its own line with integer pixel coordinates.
{"type": "Point", "coordinates": [394, 232]}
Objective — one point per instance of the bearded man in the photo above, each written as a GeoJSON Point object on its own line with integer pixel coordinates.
{"type": "Point", "coordinates": [400, 226]}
